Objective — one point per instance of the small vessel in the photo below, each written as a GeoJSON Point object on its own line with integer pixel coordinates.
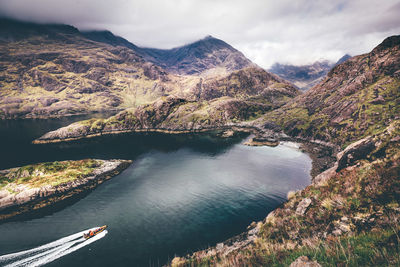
{"type": "Point", "coordinates": [94, 232]}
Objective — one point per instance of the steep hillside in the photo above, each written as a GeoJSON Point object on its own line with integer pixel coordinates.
{"type": "Point", "coordinates": [55, 70]}
{"type": "Point", "coordinates": [50, 70]}
{"type": "Point", "coordinates": [357, 98]}
{"type": "Point", "coordinates": [349, 216]}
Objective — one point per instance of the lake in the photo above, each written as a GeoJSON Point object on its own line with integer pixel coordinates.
{"type": "Point", "coordinates": [182, 193]}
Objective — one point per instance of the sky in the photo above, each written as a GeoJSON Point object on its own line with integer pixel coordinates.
{"type": "Point", "coordinates": [266, 31]}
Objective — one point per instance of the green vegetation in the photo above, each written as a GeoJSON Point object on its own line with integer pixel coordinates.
{"type": "Point", "coordinates": [365, 112]}
{"type": "Point", "coordinates": [352, 219]}
{"type": "Point", "coordinates": [364, 249]}
{"type": "Point", "coordinates": [48, 173]}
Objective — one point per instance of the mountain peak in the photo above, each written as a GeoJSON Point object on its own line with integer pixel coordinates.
{"type": "Point", "coordinates": [208, 37]}
{"type": "Point", "coordinates": [197, 57]}
{"type": "Point", "coordinates": [343, 59]}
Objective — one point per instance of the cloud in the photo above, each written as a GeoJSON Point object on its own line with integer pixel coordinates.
{"type": "Point", "coordinates": [266, 31]}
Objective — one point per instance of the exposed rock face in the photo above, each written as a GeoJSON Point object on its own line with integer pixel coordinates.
{"type": "Point", "coordinates": [356, 151]}
{"type": "Point", "coordinates": [17, 198]}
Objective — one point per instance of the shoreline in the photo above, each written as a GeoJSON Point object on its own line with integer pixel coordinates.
{"type": "Point", "coordinates": [323, 154]}
{"type": "Point", "coordinates": [13, 205]}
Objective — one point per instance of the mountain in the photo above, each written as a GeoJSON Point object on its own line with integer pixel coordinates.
{"type": "Point", "coordinates": [353, 204]}
{"type": "Point", "coordinates": [194, 58]}
{"type": "Point", "coordinates": [197, 57]}
{"type": "Point", "coordinates": [342, 59]}
{"type": "Point", "coordinates": [56, 70]}
{"type": "Point", "coordinates": [306, 76]}
{"type": "Point", "coordinates": [357, 98]}
{"type": "Point", "coordinates": [13, 30]}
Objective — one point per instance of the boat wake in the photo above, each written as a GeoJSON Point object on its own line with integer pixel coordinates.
{"type": "Point", "coordinates": [49, 252]}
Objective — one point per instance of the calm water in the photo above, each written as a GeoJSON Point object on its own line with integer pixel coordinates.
{"type": "Point", "coordinates": [182, 193]}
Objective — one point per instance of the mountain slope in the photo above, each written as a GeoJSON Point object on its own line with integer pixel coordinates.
{"type": "Point", "coordinates": [109, 38]}
{"type": "Point", "coordinates": [55, 70]}
{"type": "Point", "coordinates": [197, 57]}
{"type": "Point", "coordinates": [357, 98]}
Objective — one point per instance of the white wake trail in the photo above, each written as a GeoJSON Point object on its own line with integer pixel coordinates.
{"type": "Point", "coordinates": [63, 252]}
{"type": "Point", "coordinates": [27, 261]}
{"type": "Point", "coordinates": [49, 252]}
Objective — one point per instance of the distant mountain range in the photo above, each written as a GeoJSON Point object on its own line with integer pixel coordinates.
{"type": "Point", "coordinates": [56, 70]}
{"type": "Point", "coordinates": [193, 58]}
{"type": "Point", "coordinates": [306, 76]}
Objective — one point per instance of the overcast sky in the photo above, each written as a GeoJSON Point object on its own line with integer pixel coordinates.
{"type": "Point", "coordinates": [266, 31]}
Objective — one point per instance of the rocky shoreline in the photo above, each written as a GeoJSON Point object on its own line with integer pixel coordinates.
{"type": "Point", "coordinates": [279, 233]}
{"type": "Point", "coordinates": [322, 153]}
{"type": "Point", "coordinates": [16, 199]}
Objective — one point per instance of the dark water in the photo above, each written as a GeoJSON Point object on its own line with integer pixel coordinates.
{"type": "Point", "coordinates": [182, 193]}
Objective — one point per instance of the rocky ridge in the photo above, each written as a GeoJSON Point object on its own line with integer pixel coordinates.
{"type": "Point", "coordinates": [56, 70]}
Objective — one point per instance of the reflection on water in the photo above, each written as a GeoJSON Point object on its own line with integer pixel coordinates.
{"type": "Point", "coordinates": [182, 193]}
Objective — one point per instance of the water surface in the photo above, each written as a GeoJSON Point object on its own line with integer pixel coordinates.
{"type": "Point", "coordinates": [182, 193]}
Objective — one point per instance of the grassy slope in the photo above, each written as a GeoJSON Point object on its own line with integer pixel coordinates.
{"type": "Point", "coordinates": [362, 201]}
{"type": "Point", "coordinates": [79, 76]}
{"type": "Point", "coordinates": [48, 173]}
{"type": "Point", "coordinates": [358, 98]}
{"type": "Point", "coordinates": [65, 73]}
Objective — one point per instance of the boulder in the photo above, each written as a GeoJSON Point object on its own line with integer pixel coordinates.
{"type": "Point", "coordinates": [304, 261]}
{"type": "Point", "coordinates": [356, 151]}
{"type": "Point", "coordinates": [303, 206]}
